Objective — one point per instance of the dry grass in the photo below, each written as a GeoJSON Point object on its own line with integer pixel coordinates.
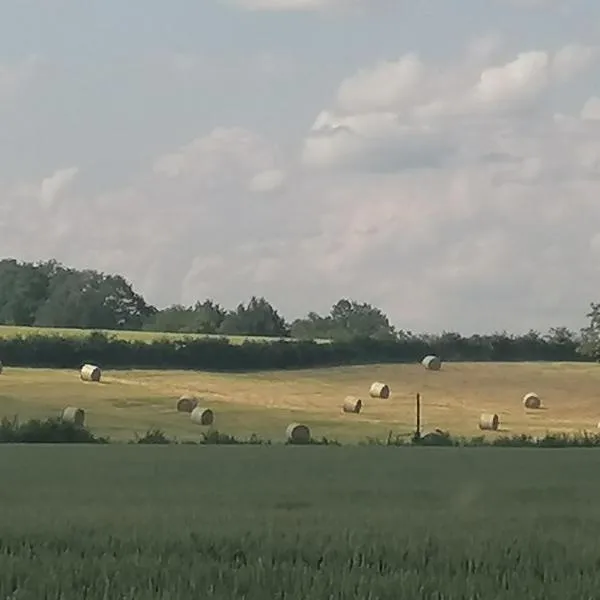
{"type": "Point", "coordinates": [265, 403]}
{"type": "Point", "coordinates": [9, 331]}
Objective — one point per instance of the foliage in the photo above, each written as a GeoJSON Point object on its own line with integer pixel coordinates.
{"type": "Point", "coordinates": [57, 431]}
{"type": "Point", "coordinates": [215, 437]}
{"type": "Point", "coordinates": [257, 318]}
{"type": "Point", "coordinates": [316, 524]}
{"type": "Point", "coordinates": [348, 319]}
{"type": "Point", "coordinates": [47, 431]}
{"type": "Point", "coordinates": [153, 436]}
{"type": "Point", "coordinates": [217, 354]}
{"type": "Point", "coordinates": [50, 295]}
{"type": "Point", "coordinates": [590, 335]}
{"type": "Point", "coordinates": [206, 317]}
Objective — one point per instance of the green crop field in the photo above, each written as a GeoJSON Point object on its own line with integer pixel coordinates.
{"type": "Point", "coordinates": [295, 523]}
{"type": "Point", "coordinates": [128, 402]}
{"type": "Point", "coordinates": [9, 331]}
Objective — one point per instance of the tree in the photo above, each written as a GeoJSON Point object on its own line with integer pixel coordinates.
{"type": "Point", "coordinates": [205, 317]}
{"type": "Point", "coordinates": [257, 318]}
{"type": "Point", "coordinates": [23, 289]}
{"type": "Point", "coordinates": [347, 319]}
{"type": "Point", "coordinates": [590, 335]}
{"type": "Point", "coordinates": [92, 300]}
{"type": "Point", "coordinates": [361, 320]}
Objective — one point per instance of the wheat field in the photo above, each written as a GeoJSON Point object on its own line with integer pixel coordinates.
{"type": "Point", "coordinates": [129, 402]}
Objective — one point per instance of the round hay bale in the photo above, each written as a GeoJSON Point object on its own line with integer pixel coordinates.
{"type": "Point", "coordinates": [202, 416]}
{"type": "Point", "coordinates": [186, 404]}
{"type": "Point", "coordinates": [532, 400]}
{"type": "Point", "coordinates": [489, 422]}
{"type": "Point", "coordinates": [432, 363]}
{"type": "Point", "coordinates": [297, 433]}
{"type": "Point", "coordinates": [379, 390]}
{"type": "Point", "coordinates": [75, 415]}
{"type": "Point", "coordinates": [352, 405]}
{"type": "Point", "coordinates": [90, 373]}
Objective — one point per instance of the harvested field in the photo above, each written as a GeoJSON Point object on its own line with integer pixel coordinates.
{"type": "Point", "coordinates": [265, 403]}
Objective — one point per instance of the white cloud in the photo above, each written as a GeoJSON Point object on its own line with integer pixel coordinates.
{"type": "Point", "coordinates": [51, 187]}
{"type": "Point", "coordinates": [14, 76]}
{"type": "Point", "coordinates": [406, 112]}
{"type": "Point", "coordinates": [211, 159]}
{"type": "Point", "coordinates": [591, 109]}
{"type": "Point", "coordinates": [267, 181]}
{"type": "Point", "coordinates": [450, 195]}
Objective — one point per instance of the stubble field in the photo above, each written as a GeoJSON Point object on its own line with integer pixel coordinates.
{"type": "Point", "coordinates": [128, 402]}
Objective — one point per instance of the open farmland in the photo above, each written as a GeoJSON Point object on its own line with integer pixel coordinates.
{"type": "Point", "coordinates": [182, 522]}
{"type": "Point", "coordinates": [9, 331]}
{"type": "Point", "coordinates": [128, 402]}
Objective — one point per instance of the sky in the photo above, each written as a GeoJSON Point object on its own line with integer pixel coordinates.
{"type": "Point", "coordinates": [439, 159]}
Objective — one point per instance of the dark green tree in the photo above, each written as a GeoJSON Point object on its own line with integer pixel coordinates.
{"type": "Point", "coordinates": [590, 335]}
{"type": "Point", "coordinates": [258, 317]}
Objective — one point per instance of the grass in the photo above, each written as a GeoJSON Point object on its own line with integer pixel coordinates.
{"type": "Point", "coordinates": [129, 402]}
{"type": "Point", "coordinates": [182, 522]}
{"type": "Point", "coordinates": [9, 331]}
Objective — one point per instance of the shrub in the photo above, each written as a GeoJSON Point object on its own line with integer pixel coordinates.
{"type": "Point", "coordinates": [48, 431]}
{"type": "Point", "coordinates": [152, 436]}
{"type": "Point", "coordinates": [216, 437]}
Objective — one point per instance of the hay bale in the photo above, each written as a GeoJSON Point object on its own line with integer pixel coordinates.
{"type": "Point", "coordinates": [75, 415]}
{"type": "Point", "coordinates": [379, 390]}
{"type": "Point", "coordinates": [186, 404]}
{"type": "Point", "coordinates": [90, 373]}
{"type": "Point", "coordinates": [489, 422]}
{"type": "Point", "coordinates": [532, 400]}
{"type": "Point", "coordinates": [432, 363]}
{"type": "Point", "coordinates": [202, 416]}
{"type": "Point", "coordinates": [352, 405]}
{"type": "Point", "coordinates": [297, 433]}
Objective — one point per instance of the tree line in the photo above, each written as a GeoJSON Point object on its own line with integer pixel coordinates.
{"type": "Point", "coordinates": [48, 294]}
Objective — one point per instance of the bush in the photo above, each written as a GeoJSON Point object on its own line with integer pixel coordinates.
{"type": "Point", "coordinates": [216, 437]}
{"type": "Point", "coordinates": [48, 431]}
{"type": "Point", "coordinates": [218, 354]}
{"type": "Point", "coordinates": [152, 436]}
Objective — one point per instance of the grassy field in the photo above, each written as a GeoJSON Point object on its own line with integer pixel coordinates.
{"type": "Point", "coordinates": [8, 331]}
{"type": "Point", "coordinates": [129, 402]}
{"type": "Point", "coordinates": [182, 522]}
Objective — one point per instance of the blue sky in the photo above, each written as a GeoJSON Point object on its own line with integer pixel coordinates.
{"type": "Point", "coordinates": [440, 158]}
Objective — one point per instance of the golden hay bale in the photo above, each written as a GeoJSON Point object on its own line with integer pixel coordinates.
{"type": "Point", "coordinates": [186, 404]}
{"type": "Point", "coordinates": [352, 405]}
{"type": "Point", "coordinates": [297, 433]}
{"type": "Point", "coordinates": [90, 373]}
{"type": "Point", "coordinates": [489, 422]}
{"type": "Point", "coordinates": [202, 416]}
{"type": "Point", "coordinates": [432, 363]}
{"type": "Point", "coordinates": [532, 401]}
{"type": "Point", "coordinates": [75, 415]}
{"type": "Point", "coordinates": [379, 390]}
